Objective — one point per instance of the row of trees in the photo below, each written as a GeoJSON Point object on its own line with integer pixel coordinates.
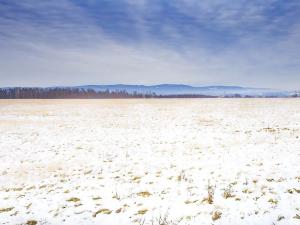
{"type": "Point", "coordinates": [64, 93]}
{"type": "Point", "coordinates": [78, 93]}
{"type": "Point", "coordinates": [296, 94]}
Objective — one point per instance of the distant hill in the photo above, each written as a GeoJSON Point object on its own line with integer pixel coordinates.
{"type": "Point", "coordinates": [180, 89]}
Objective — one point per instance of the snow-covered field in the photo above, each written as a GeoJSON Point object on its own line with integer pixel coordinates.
{"type": "Point", "coordinates": [158, 162]}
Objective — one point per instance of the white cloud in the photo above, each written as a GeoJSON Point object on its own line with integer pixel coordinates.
{"type": "Point", "coordinates": [72, 50]}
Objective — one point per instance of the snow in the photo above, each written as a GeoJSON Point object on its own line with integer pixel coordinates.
{"type": "Point", "coordinates": [120, 162]}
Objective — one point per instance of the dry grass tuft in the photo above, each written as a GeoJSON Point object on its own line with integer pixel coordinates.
{"type": "Point", "coordinates": [118, 210]}
{"type": "Point", "coordinates": [164, 220]}
{"type": "Point", "coordinates": [136, 178]}
{"type": "Point", "coordinates": [6, 209]}
{"type": "Point", "coordinates": [96, 198]}
{"type": "Point", "coordinates": [102, 211]}
{"type": "Point", "coordinates": [31, 222]}
{"type": "Point", "coordinates": [297, 190]}
{"type": "Point", "coordinates": [210, 194]}
{"type": "Point", "coordinates": [228, 193]}
{"type": "Point", "coordinates": [273, 201]}
{"type": "Point", "coordinates": [73, 199]}
{"type": "Point", "coordinates": [280, 218]}
{"type": "Point", "coordinates": [297, 217]}
{"type": "Point", "coordinates": [190, 201]}
{"type": "Point", "coordinates": [142, 211]}
{"type": "Point", "coordinates": [144, 194]}
{"type": "Point", "coordinates": [181, 176]}
{"type": "Point", "coordinates": [216, 215]}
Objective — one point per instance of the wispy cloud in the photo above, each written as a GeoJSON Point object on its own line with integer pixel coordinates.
{"type": "Point", "coordinates": [62, 42]}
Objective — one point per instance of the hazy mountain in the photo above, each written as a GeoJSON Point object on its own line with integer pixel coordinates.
{"type": "Point", "coordinates": [172, 89]}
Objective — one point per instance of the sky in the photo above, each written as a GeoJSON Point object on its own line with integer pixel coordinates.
{"type": "Point", "coordinates": [253, 43]}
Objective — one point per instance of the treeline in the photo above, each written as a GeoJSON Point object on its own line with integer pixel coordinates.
{"type": "Point", "coordinates": [78, 93]}
{"type": "Point", "coordinates": [64, 93]}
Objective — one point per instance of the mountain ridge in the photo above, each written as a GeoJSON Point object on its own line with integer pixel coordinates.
{"type": "Point", "coordinates": [177, 89]}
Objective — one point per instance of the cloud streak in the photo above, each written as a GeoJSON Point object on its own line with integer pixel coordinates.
{"type": "Point", "coordinates": [146, 42]}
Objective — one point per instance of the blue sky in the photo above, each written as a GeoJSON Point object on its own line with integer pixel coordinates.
{"type": "Point", "coordinates": [70, 42]}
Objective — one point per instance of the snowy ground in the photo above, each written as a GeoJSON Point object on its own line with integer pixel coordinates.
{"type": "Point", "coordinates": [158, 162]}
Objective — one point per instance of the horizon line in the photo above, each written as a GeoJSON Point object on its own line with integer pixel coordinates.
{"type": "Point", "coordinates": [151, 85]}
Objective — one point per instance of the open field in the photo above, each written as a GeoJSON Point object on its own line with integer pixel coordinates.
{"type": "Point", "coordinates": [158, 162]}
